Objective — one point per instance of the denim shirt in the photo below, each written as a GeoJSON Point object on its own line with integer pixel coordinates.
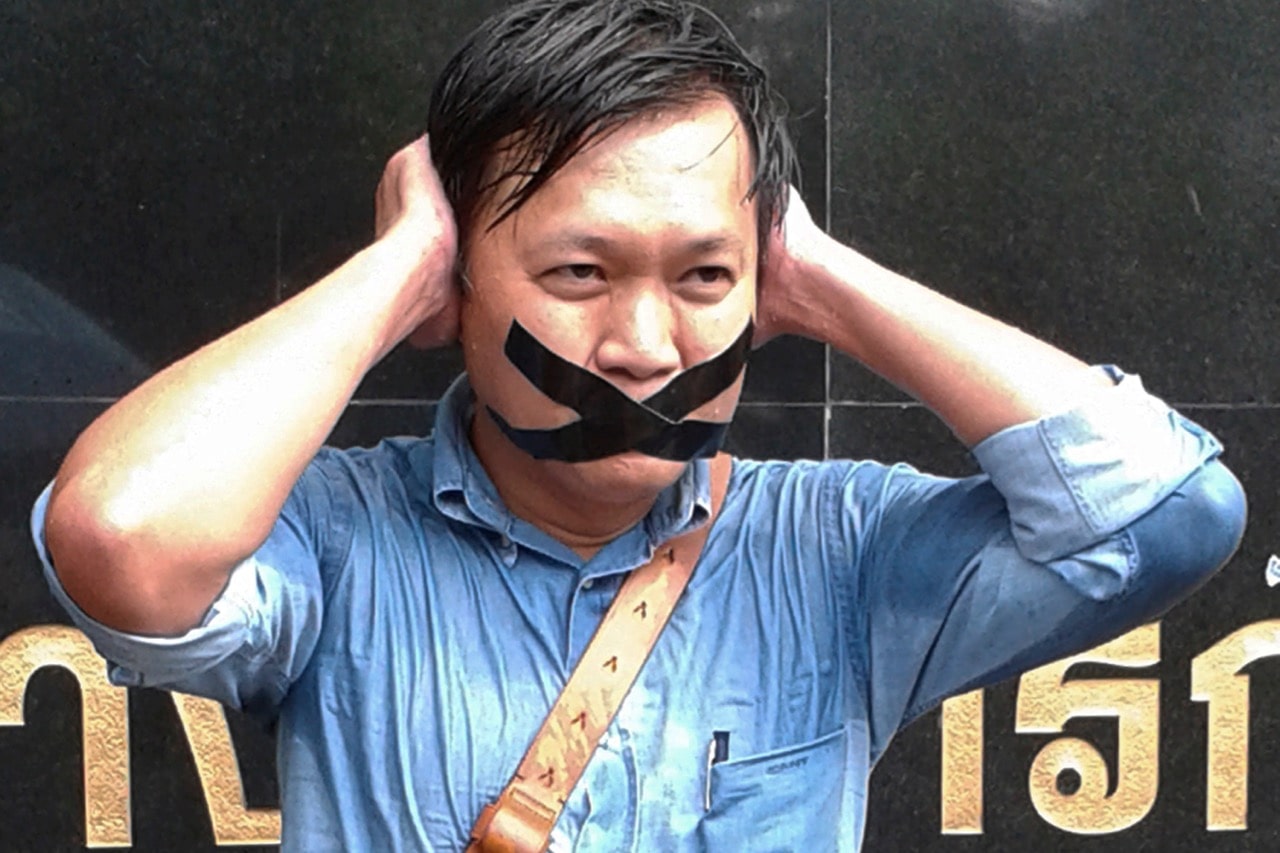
{"type": "Point", "coordinates": [410, 633]}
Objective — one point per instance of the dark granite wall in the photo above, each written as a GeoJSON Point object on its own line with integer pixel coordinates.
{"type": "Point", "coordinates": [1104, 173]}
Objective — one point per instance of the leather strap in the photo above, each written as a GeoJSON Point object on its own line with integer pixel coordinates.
{"type": "Point", "coordinates": [520, 820]}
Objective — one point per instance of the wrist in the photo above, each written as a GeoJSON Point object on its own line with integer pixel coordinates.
{"type": "Point", "coordinates": [420, 259]}
{"type": "Point", "coordinates": [417, 253]}
{"type": "Point", "coordinates": [817, 272]}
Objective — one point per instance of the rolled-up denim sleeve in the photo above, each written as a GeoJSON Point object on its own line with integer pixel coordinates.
{"type": "Point", "coordinates": [1072, 480]}
{"type": "Point", "coordinates": [254, 639]}
{"type": "Point", "coordinates": [1084, 525]}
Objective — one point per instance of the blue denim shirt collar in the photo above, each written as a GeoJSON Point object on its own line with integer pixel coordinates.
{"type": "Point", "coordinates": [462, 490]}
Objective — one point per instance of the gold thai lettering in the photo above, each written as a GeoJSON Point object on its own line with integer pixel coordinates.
{"type": "Point", "coordinates": [1046, 700]}
{"type": "Point", "coordinates": [1216, 679]}
{"type": "Point", "coordinates": [205, 723]}
{"type": "Point", "coordinates": [962, 745]}
{"type": "Point", "coordinates": [104, 711]}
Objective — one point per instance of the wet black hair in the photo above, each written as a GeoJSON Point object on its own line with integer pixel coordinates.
{"type": "Point", "coordinates": [541, 79]}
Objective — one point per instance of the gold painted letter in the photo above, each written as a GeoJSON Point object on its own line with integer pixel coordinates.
{"type": "Point", "coordinates": [962, 742]}
{"type": "Point", "coordinates": [1216, 679]}
{"type": "Point", "coordinates": [1046, 700]}
{"type": "Point", "coordinates": [205, 723]}
{"type": "Point", "coordinates": [104, 712]}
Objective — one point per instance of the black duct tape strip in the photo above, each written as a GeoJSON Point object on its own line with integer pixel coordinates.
{"type": "Point", "coordinates": [585, 441]}
{"type": "Point", "coordinates": [703, 382]}
{"type": "Point", "coordinates": [610, 422]}
{"type": "Point", "coordinates": [587, 393]}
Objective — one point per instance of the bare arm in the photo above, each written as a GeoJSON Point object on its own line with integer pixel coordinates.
{"type": "Point", "coordinates": [183, 478]}
{"type": "Point", "coordinates": [978, 374]}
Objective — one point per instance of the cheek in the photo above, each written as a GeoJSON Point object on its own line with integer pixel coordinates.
{"type": "Point", "coordinates": [496, 381]}
{"type": "Point", "coordinates": [708, 330]}
{"type": "Point", "coordinates": [747, 299]}
{"type": "Point", "coordinates": [505, 293]}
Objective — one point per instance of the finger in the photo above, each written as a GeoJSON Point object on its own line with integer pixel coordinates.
{"type": "Point", "coordinates": [416, 158]}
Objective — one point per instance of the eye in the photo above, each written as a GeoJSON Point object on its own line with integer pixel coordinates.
{"type": "Point", "coordinates": [581, 272]}
{"type": "Point", "coordinates": [711, 275]}
{"type": "Point", "coordinates": [574, 281]}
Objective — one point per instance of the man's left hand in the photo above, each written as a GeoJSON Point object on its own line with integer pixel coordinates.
{"type": "Point", "coordinates": [788, 271]}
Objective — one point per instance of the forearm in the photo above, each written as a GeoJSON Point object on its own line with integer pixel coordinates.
{"type": "Point", "coordinates": [978, 374]}
{"type": "Point", "coordinates": [182, 479]}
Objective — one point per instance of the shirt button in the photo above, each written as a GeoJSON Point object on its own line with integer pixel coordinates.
{"type": "Point", "coordinates": [505, 541]}
{"type": "Point", "coordinates": [588, 583]}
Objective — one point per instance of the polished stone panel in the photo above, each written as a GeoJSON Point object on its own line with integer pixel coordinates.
{"type": "Point", "coordinates": [904, 432]}
{"type": "Point", "coordinates": [1101, 174]}
{"type": "Point", "coordinates": [773, 431]}
{"type": "Point", "coordinates": [137, 168]}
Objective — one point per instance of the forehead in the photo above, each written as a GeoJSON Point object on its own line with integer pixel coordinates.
{"type": "Point", "coordinates": [703, 138]}
{"type": "Point", "coordinates": [690, 162]}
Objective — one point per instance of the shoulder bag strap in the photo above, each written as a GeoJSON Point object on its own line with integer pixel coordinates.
{"type": "Point", "coordinates": [520, 820]}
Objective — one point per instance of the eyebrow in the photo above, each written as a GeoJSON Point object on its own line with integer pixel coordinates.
{"type": "Point", "coordinates": [598, 244]}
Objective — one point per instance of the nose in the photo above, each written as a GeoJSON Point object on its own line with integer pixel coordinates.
{"type": "Point", "coordinates": [639, 345]}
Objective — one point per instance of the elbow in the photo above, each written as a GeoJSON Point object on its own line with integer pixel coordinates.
{"type": "Point", "coordinates": [1190, 535]}
{"type": "Point", "coordinates": [1211, 508]}
{"type": "Point", "coordinates": [1232, 508]}
{"type": "Point", "coordinates": [107, 570]}
{"type": "Point", "coordinates": [85, 551]}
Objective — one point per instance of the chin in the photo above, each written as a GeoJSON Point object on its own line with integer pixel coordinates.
{"type": "Point", "coordinates": [624, 478]}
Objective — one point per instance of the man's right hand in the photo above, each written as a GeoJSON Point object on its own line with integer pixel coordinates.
{"type": "Point", "coordinates": [413, 214]}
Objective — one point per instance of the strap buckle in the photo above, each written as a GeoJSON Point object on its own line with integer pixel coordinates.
{"type": "Point", "coordinates": [512, 824]}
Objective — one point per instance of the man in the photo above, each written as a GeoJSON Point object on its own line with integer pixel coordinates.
{"type": "Point", "coordinates": [607, 215]}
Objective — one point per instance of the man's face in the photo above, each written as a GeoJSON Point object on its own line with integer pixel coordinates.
{"type": "Point", "coordinates": [636, 261]}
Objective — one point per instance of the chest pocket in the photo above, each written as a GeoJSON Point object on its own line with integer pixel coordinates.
{"type": "Point", "coordinates": [785, 800]}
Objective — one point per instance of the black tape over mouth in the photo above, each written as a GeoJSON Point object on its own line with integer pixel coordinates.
{"type": "Point", "coordinates": [610, 422]}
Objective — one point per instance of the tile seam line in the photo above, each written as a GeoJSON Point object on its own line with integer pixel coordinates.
{"type": "Point", "coordinates": [11, 399]}
{"type": "Point", "coordinates": [360, 402]}
{"type": "Point", "coordinates": [828, 354]}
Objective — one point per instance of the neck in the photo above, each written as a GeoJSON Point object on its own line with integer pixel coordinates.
{"type": "Point", "coordinates": [541, 492]}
